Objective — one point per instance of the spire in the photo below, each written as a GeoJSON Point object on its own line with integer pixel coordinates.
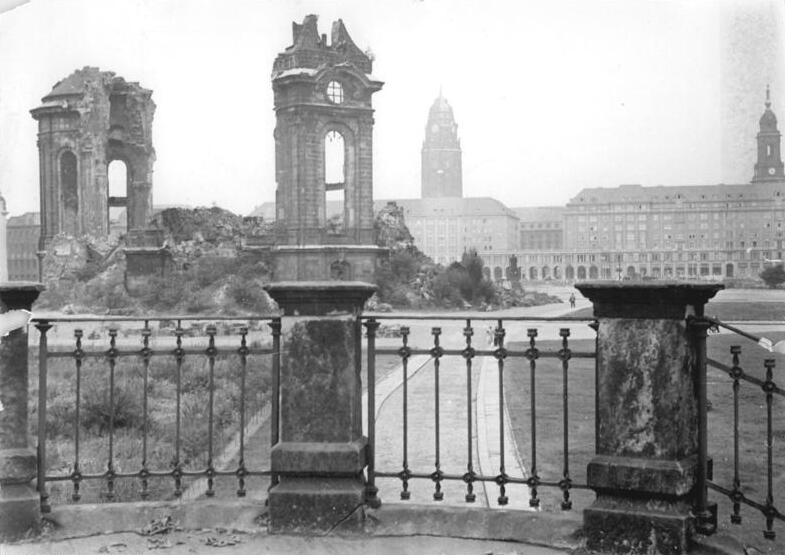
{"type": "Point", "coordinates": [769, 166]}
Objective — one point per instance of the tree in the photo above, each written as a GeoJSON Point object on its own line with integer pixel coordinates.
{"type": "Point", "coordinates": [773, 275]}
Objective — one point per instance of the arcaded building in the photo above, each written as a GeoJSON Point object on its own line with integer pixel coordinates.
{"type": "Point", "coordinates": [690, 231]}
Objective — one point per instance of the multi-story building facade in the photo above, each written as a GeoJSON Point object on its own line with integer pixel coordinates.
{"type": "Point", "coordinates": [445, 228]}
{"type": "Point", "coordinates": [709, 232]}
{"type": "Point", "coordinates": [541, 227]}
{"type": "Point", "coordinates": [22, 242]}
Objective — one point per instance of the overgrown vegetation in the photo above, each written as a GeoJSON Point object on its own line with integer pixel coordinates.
{"type": "Point", "coordinates": [410, 279]}
{"type": "Point", "coordinates": [212, 274]}
{"type": "Point", "coordinates": [209, 273]}
{"type": "Point", "coordinates": [773, 276]}
{"type": "Point", "coordinates": [126, 410]}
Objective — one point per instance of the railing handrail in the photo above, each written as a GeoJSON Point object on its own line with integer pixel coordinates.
{"type": "Point", "coordinates": [190, 317]}
{"type": "Point", "coordinates": [470, 316]}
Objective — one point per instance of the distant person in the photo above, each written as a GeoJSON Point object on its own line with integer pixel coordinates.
{"type": "Point", "coordinates": [572, 300]}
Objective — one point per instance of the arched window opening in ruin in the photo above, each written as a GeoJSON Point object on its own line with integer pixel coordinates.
{"type": "Point", "coordinates": [69, 192]}
{"type": "Point", "coordinates": [334, 181]}
{"type": "Point", "coordinates": [334, 158]}
{"type": "Point", "coordinates": [117, 191]}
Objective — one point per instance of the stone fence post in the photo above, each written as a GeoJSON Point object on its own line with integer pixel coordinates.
{"type": "Point", "coordinates": [19, 500]}
{"type": "Point", "coordinates": [646, 468]}
{"type": "Point", "coordinates": [321, 452]}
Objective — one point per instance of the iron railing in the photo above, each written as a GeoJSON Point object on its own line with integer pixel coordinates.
{"type": "Point", "coordinates": [706, 512]}
{"type": "Point", "coordinates": [145, 354]}
{"type": "Point", "coordinates": [503, 356]}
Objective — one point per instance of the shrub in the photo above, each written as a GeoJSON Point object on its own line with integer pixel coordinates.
{"type": "Point", "coordinates": [773, 276]}
{"type": "Point", "coordinates": [249, 295]}
{"type": "Point", "coordinates": [96, 407]}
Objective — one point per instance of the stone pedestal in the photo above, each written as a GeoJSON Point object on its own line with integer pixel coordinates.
{"type": "Point", "coordinates": [145, 257]}
{"type": "Point", "coordinates": [320, 456]}
{"type": "Point", "coordinates": [19, 501]}
{"type": "Point", "coordinates": [322, 262]}
{"type": "Point", "coordinates": [645, 469]}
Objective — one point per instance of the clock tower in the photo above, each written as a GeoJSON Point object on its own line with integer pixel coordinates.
{"type": "Point", "coordinates": [441, 153]}
{"type": "Point", "coordinates": [769, 166]}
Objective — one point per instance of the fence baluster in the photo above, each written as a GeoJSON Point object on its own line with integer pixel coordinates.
{"type": "Point", "coordinates": [111, 355]}
{"type": "Point", "coordinates": [705, 519]}
{"type": "Point", "coordinates": [468, 354]}
{"type": "Point", "coordinates": [532, 354]}
{"type": "Point", "coordinates": [43, 326]}
{"type": "Point", "coordinates": [500, 355]}
{"type": "Point", "coordinates": [565, 483]}
{"type": "Point", "coordinates": [770, 512]}
{"type": "Point", "coordinates": [146, 355]}
{"type": "Point", "coordinates": [210, 471]}
{"type": "Point", "coordinates": [436, 476]}
{"type": "Point", "coordinates": [371, 490]}
{"type": "Point", "coordinates": [179, 353]}
{"type": "Point", "coordinates": [241, 470]}
{"type": "Point", "coordinates": [736, 495]}
{"type": "Point", "coordinates": [76, 475]}
{"type": "Point", "coordinates": [405, 353]}
{"type": "Point", "coordinates": [275, 326]}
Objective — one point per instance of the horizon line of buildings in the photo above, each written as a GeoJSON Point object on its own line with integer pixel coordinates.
{"type": "Point", "coordinates": [694, 231]}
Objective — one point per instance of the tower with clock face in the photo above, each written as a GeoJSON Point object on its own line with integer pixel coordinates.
{"type": "Point", "coordinates": [442, 174]}
{"type": "Point", "coordinates": [324, 156]}
{"type": "Point", "coordinates": [769, 166]}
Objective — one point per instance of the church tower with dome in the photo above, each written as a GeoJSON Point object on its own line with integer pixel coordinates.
{"type": "Point", "coordinates": [769, 166]}
{"type": "Point", "coordinates": [441, 153]}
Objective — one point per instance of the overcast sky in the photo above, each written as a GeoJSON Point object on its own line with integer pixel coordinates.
{"type": "Point", "coordinates": [549, 96]}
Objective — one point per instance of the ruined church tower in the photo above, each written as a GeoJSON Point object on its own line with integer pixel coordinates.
{"type": "Point", "coordinates": [324, 156]}
{"type": "Point", "coordinates": [88, 120]}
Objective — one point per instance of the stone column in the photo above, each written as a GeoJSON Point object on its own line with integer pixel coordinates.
{"type": "Point", "coordinates": [646, 464]}
{"type": "Point", "coordinates": [19, 501]}
{"type": "Point", "coordinates": [320, 456]}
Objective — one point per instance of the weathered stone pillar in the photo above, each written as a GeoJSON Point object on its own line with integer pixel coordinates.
{"type": "Point", "coordinates": [646, 463]}
{"type": "Point", "coordinates": [19, 501]}
{"type": "Point", "coordinates": [320, 456]}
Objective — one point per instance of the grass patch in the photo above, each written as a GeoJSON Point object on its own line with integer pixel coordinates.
{"type": "Point", "coordinates": [752, 428]}
{"type": "Point", "coordinates": [123, 418]}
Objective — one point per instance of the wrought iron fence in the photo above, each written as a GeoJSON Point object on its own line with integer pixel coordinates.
{"type": "Point", "coordinates": [207, 346]}
{"type": "Point", "coordinates": [504, 358]}
{"type": "Point", "coordinates": [736, 492]}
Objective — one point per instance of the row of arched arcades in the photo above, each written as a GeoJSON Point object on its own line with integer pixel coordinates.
{"type": "Point", "coordinates": [570, 272]}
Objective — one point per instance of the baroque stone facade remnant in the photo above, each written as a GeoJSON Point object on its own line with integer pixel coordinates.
{"type": "Point", "coordinates": [88, 120]}
{"type": "Point", "coordinates": [324, 151]}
